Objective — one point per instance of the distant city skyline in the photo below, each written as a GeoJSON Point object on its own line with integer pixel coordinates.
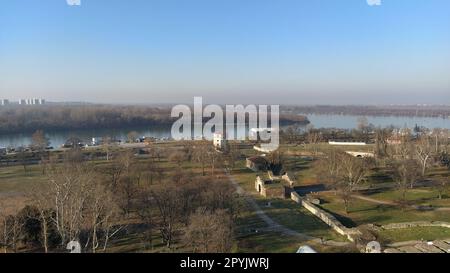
{"type": "Point", "coordinates": [227, 51]}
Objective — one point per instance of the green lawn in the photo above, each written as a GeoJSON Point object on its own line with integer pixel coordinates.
{"type": "Point", "coordinates": [361, 212]}
{"type": "Point", "coordinates": [16, 180]}
{"type": "Point", "coordinates": [324, 148]}
{"type": "Point", "coordinates": [252, 238]}
{"type": "Point", "coordinates": [295, 217]}
{"type": "Point", "coordinates": [411, 234]}
{"type": "Point", "coordinates": [364, 212]}
{"type": "Point", "coordinates": [272, 242]}
{"type": "Point", "coordinates": [285, 211]}
{"type": "Point", "coordinates": [421, 196]}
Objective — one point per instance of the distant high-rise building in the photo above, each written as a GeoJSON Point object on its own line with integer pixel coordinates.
{"type": "Point", "coordinates": [33, 101]}
{"type": "Point", "coordinates": [4, 102]}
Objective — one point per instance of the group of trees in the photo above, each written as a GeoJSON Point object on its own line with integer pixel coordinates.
{"type": "Point", "coordinates": [203, 153]}
{"type": "Point", "coordinates": [411, 159]}
{"type": "Point", "coordinates": [95, 203]}
{"type": "Point", "coordinates": [406, 161]}
{"type": "Point", "coordinates": [73, 204]}
{"type": "Point", "coordinates": [344, 173]}
{"type": "Point", "coordinates": [90, 116]}
{"type": "Point", "coordinates": [184, 203]}
{"type": "Point", "coordinates": [65, 117]}
{"type": "Point", "coordinates": [370, 110]}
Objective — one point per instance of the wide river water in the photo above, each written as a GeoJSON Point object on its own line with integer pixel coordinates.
{"type": "Point", "coordinates": [57, 138]}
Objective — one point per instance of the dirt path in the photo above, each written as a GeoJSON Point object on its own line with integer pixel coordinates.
{"type": "Point", "coordinates": [273, 225]}
{"type": "Point", "coordinates": [368, 199]}
{"type": "Point", "coordinates": [390, 203]}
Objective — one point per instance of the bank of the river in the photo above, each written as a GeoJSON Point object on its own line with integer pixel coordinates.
{"type": "Point", "coordinates": [57, 138]}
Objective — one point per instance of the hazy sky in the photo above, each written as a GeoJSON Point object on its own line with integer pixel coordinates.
{"type": "Point", "coordinates": [228, 51]}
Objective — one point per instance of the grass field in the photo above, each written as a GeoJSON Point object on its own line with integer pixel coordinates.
{"type": "Point", "coordinates": [295, 217]}
{"type": "Point", "coordinates": [323, 148]}
{"type": "Point", "coordinates": [363, 212]}
{"type": "Point", "coordinates": [412, 234]}
{"type": "Point", "coordinates": [15, 182]}
{"type": "Point", "coordinates": [285, 211]}
{"type": "Point", "coordinates": [252, 238]}
{"type": "Point", "coordinates": [423, 197]}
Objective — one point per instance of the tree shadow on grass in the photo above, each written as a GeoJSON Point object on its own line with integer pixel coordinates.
{"type": "Point", "coordinates": [345, 220]}
{"type": "Point", "coordinates": [244, 171]}
{"type": "Point", "coordinates": [370, 192]}
{"type": "Point", "coordinates": [304, 190]}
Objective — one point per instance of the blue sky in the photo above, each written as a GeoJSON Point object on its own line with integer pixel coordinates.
{"type": "Point", "coordinates": [228, 51]}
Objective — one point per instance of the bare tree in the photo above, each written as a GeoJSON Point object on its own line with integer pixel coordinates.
{"type": "Point", "coordinates": [424, 150]}
{"type": "Point", "coordinates": [188, 150]}
{"type": "Point", "coordinates": [178, 157]}
{"type": "Point", "coordinates": [214, 158]}
{"type": "Point", "coordinates": [167, 201]}
{"type": "Point", "coordinates": [68, 187]}
{"type": "Point", "coordinates": [406, 147]}
{"type": "Point", "coordinates": [291, 133]}
{"type": "Point", "coordinates": [276, 157]}
{"type": "Point", "coordinates": [442, 183]}
{"type": "Point", "coordinates": [381, 142]}
{"type": "Point", "coordinates": [210, 232]}
{"type": "Point", "coordinates": [156, 152]}
{"type": "Point", "coordinates": [126, 192]}
{"type": "Point", "coordinates": [329, 167]}
{"type": "Point", "coordinates": [145, 208]}
{"type": "Point", "coordinates": [353, 172]}
{"type": "Point", "coordinates": [39, 141]}
{"type": "Point", "coordinates": [4, 229]}
{"type": "Point", "coordinates": [11, 225]}
{"type": "Point", "coordinates": [132, 136]}
{"type": "Point", "coordinates": [364, 127]}
{"type": "Point", "coordinates": [220, 195]}
{"type": "Point", "coordinates": [108, 146]}
{"type": "Point", "coordinates": [127, 176]}
{"type": "Point", "coordinates": [313, 137]}
{"type": "Point", "coordinates": [405, 173]}
{"type": "Point", "coordinates": [23, 159]}
{"type": "Point", "coordinates": [201, 150]}
{"type": "Point", "coordinates": [42, 200]}
{"type": "Point", "coordinates": [101, 210]}
{"type": "Point", "coordinates": [233, 155]}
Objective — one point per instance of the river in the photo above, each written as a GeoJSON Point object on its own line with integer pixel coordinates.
{"type": "Point", "coordinates": [57, 138]}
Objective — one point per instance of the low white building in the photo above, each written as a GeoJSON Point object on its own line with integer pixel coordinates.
{"type": "Point", "coordinates": [345, 143]}
{"type": "Point", "coordinates": [256, 133]}
{"type": "Point", "coordinates": [220, 141]}
{"type": "Point", "coordinates": [361, 154]}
